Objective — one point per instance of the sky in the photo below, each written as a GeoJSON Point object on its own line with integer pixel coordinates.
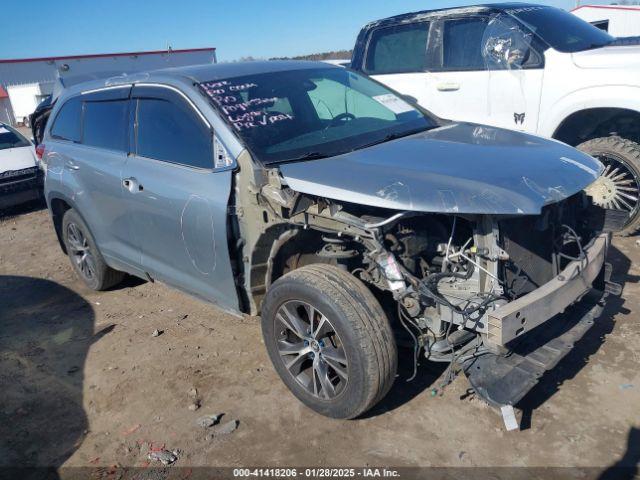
{"type": "Point", "coordinates": [237, 28]}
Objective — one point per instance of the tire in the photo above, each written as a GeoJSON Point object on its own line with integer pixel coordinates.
{"type": "Point", "coordinates": [361, 331]}
{"type": "Point", "coordinates": [619, 156]}
{"type": "Point", "coordinates": [85, 257]}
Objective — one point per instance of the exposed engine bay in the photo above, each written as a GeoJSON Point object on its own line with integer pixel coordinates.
{"type": "Point", "coordinates": [443, 278]}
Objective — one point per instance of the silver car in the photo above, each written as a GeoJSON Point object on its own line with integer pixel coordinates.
{"type": "Point", "coordinates": [349, 218]}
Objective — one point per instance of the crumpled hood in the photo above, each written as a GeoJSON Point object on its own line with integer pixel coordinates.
{"type": "Point", "coordinates": [457, 168]}
{"type": "Point", "coordinates": [609, 57]}
{"type": "Point", "coordinates": [17, 158]}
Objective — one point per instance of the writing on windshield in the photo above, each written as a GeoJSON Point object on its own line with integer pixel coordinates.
{"type": "Point", "coordinates": [241, 111]}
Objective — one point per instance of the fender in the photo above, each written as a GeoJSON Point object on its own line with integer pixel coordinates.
{"type": "Point", "coordinates": [49, 198]}
{"type": "Point", "coordinates": [605, 96]}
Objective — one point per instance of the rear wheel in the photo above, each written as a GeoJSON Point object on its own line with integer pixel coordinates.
{"type": "Point", "coordinates": [620, 187]}
{"type": "Point", "coordinates": [329, 340]}
{"type": "Point", "coordinates": [84, 254]}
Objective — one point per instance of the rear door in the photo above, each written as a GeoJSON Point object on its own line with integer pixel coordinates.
{"type": "Point", "coordinates": [480, 68]}
{"type": "Point", "coordinates": [486, 70]}
{"type": "Point", "coordinates": [177, 201]}
{"type": "Point", "coordinates": [457, 87]}
{"type": "Point", "coordinates": [90, 136]}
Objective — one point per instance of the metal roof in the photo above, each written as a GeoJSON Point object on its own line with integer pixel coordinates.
{"type": "Point", "coordinates": [633, 8]}
{"type": "Point", "coordinates": [198, 73]}
{"type": "Point", "coordinates": [46, 70]}
{"type": "Point", "coordinates": [205, 73]}
{"type": "Point", "coordinates": [103, 55]}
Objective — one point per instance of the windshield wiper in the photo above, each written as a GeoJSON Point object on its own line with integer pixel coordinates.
{"type": "Point", "coordinates": [393, 136]}
{"type": "Point", "coordinates": [307, 156]}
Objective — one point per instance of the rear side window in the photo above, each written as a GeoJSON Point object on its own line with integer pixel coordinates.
{"type": "Point", "coordinates": [172, 132]}
{"type": "Point", "coordinates": [67, 123]}
{"type": "Point", "coordinates": [105, 124]}
{"type": "Point", "coordinates": [401, 48]}
{"type": "Point", "coordinates": [462, 43]}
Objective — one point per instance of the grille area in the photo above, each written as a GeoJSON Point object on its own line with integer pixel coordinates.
{"type": "Point", "coordinates": [529, 244]}
{"type": "Point", "coordinates": [19, 180]}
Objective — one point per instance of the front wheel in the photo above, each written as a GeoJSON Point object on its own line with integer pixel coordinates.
{"type": "Point", "coordinates": [329, 340]}
{"type": "Point", "coordinates": [620, 187]}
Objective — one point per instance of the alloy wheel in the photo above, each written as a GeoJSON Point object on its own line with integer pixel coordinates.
{"type": "Point", "coordinates": [311, 349]}
{"type": "Point", "coordinates": [619, 186]}
{"type": "Point", "coordinates": [81, 252]}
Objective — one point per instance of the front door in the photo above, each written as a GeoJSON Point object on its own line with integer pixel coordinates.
{"type": "Point", "coordinates": [480, 68]}
{"type": "Point", "coordinates": [177, 201]}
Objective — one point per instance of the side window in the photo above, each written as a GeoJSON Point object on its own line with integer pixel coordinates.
{"type": "Point", "coordinates": [105, 124]}
{"type": "Point", "coordinates": [401, 48]}
{"type": "Point", "coordinates": [67, 122]}
{"type": "Point", "coordinates": [506, 45]}
{"type": "Point", "coordinates": [168, 129]}
{"type": "Point", "coordinates": [462, 43]}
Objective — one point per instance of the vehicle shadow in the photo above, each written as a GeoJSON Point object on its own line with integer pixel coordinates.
{"type": "Point", "coordinates": [32, 206]}
{"type": "Point", "coordinates": [627, 466]}
{"type": "Point", "coordinates": [45, 333]}
{"type": "Point", "coordinates": [579, 356]}
{"type": "Point", "coordinates": [404, 391]}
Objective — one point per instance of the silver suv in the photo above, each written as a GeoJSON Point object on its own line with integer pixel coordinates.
{"type": "Point", "coordinates": [349, 218]}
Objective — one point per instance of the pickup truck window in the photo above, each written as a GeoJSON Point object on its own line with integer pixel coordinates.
{"type": "Point", "coordinates": [462, 43]}
{"type": "Point", "coordinates": [400, 48]}
{"type": "Point", "coordinates": [327, 111]}
{"type": "Point", "coordinates": [561, 30]}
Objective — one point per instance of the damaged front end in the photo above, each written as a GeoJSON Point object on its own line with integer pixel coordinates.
{"type": "Point", "coordinates": [500, 297]}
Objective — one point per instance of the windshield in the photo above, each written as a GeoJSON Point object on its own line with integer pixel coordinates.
{"type": "Point", "coordinates": [311, 113]}
{"type": "Point", "coordinates": [10, 138]}
{"type": "Point", "coordinates": [562, 30]}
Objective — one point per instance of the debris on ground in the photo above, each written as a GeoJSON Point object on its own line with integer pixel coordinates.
{"type": "Point", "coordinates": [626, 386]}
{"type": "Point", "coordinates": [207, 421]}
{"type": "Point", "coordinates": [194, 406]}
{"type": "Point", "coordinates": [157, 333]}
{"type": "Point", "coordinates": [132, 429]}
{"type": "Point", "coordinates": [225, 429]}
{"type": "Point", "coordinates": [164, 456]}
{"type": "Point", "coordinates": [193, 392]}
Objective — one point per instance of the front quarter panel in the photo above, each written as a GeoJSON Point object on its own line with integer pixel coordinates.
{"type": "Point", "coordinates": [569, 89]}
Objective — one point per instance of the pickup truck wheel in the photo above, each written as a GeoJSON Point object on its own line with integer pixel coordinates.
{"type": "Point", "coordinates": [621, 189]}
{"type": "Point", "coordinates": [84, 254]}
{"type": "Point", "coordinates": [329, 340]}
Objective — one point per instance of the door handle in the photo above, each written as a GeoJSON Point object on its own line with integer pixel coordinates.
{"type": "Point", "coordinates": [448, 86]}
{"type": "Point", "coordinates": [72, 166]}
{"type": "Point", "coordinates": [132, 185]}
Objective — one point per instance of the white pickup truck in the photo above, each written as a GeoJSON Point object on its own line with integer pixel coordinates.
{"type": "Point", "coordinates": [521, 66]}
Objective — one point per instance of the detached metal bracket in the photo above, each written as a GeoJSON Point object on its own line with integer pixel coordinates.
{"type": "Point", "coordinates": [611, 288]}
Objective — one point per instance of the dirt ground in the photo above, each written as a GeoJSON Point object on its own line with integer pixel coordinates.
{"type": "Point", "coordinates": [84, 383]}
